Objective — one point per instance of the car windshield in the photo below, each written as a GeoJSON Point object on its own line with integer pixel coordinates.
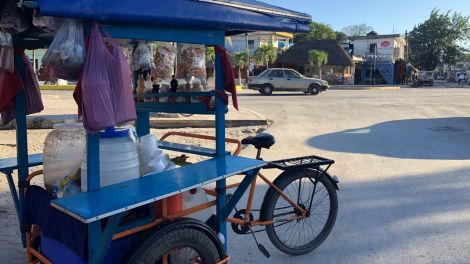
{"type": "Point", "coordinates": [291, 74]}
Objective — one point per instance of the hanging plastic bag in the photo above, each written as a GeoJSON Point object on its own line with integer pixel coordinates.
{"type": "Point", "coordinates": [142, 57]}
{"type": "Point", "coordinates": [32, 94]}
{"type": "Point", "coordinates": [66, 54]}
{"type": "Point", "coordinates": [106, 85]}
{"type": "Point", "coordinates": [164, 59]}
{"type": "Point", "coordinates": [6, 52]}
{"type": "Point", "coordinates": [191, 62]}
{"type": "Point", "coordinates": [46, 23]}
{"type": "Point", "coordinates": [12, 21]}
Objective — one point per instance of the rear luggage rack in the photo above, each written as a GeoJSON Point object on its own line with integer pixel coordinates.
{"type": "Point", "coordinates": [299, 163]}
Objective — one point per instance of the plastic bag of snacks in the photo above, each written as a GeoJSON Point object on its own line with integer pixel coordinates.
{"type": "Point", "coordinates": [6, 52]}
{"type": "Point", "coordinates": [12, 21]}
{"type": "Point", "coordinates": [69, 185]}
{"type": "Point", "coordinates": [142, 57]}
{"type": "Point", "coordinates": [164, 60]}
{"type": "Point", "coordinates": [66, 54]}
{"type": "Point", "coordinates": [191, 62]}
{"type": "Point", "coordinates": [46, 23]}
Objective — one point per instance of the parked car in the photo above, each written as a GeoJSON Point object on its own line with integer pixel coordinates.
{"type": "Point", "coordinates": [425, 77]}
{"type": "Point", "coordinates": [275, 79]}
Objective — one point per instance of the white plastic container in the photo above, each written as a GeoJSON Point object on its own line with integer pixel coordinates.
{"type": "Point", "coordinates": [63, 149]}
{"type": "Point", "coordinates": [119, 160]}
{"type": "Point", "coordinates": [196, 87]}
{"type": "Point", "coordinates": [194, 198]}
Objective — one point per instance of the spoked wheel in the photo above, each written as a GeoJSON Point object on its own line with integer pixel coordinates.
{"type": "Point", "coordinates": [314, 192]}
{"type": "Point", "coordinates": [179, 244]}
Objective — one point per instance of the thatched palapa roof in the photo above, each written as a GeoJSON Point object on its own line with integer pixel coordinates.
{"type": "Point", "coordinates": [298, 54]}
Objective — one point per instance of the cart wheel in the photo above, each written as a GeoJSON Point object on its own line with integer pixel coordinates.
{"type": "Point", "coordinates": [187, 242]}
{"type": "Point", "coordinates": [317, 196]}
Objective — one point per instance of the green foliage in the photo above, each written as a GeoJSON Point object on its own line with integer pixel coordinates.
{"type": "Point", "coordinates": [436, 40]}
{"type": "Point", "coordinates": [318, 58]}
{"type": "Point", "coordinates": [317, 31]}
{"type": "Point", "coordinates": [240, 59]}
{"type": "Point", "coordinates": [341, 37]}
{"type": "Point", "coordinates": [265, 54]}
{"type": "Point", "coordinates": [210, 54]}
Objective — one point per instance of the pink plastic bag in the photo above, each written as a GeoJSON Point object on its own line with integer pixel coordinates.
{"type": "Point", "coordinates": [106, 85]}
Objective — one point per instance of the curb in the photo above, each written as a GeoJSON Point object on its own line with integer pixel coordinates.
{"type": "Point", "coordinates": [48, 122]}
{"type": "Point", "coordinates": [372, 88]}
{"type": "Point", "coordinates": [57, 87]}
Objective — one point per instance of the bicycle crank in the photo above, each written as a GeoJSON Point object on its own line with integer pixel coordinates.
{"type": "Point", "coordinates": [261, 248]}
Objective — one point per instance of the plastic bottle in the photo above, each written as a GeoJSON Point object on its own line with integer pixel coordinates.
{"type": "Point", "coordinates": [118, 158]}
{"type": "Point", "coordinates": [148, 90]}
{"type": "Point", "coordinates": [140, 88]}
{"type": "Point", "coordinates": [63, 149]}
{"type": "Point", "coordinates": [196, 87]}
{"type": "Point", "coordinates": [164, 88]}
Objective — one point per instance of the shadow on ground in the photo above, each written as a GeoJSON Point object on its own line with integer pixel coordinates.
{"type": "Point", "coordinates": [437, 138]}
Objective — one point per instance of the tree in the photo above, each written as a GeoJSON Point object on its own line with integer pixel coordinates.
{"type": "Point", "coordinates": [317, 31]}
{"type": "Point", "coordinates": [341, 37]}
{"type": "Point", "coordinates": [318, 58]}
{"type": "Point", "coordinates": [436, 41]}
{"type": "Point", "coordinates": [241, 60]}
{"type": "Point", "coordinates": [210, 54]}
{"type": "Point", "coordinates": [265, 54]}
{"type": "Point", "coordinates": [357, 30]}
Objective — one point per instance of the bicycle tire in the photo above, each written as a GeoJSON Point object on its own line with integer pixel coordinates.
{"type": "Point", "coordinates": [269, 205]}
{"type": "Point", "coordinates": [174, 238]}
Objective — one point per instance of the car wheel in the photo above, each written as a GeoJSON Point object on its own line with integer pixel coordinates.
{"type": "Point", "coordinates": [314, 89]}
{"type": "Point", "coordinates": [267, 89]}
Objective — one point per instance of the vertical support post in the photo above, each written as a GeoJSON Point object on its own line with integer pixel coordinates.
{"type": "Point", "coordinates": [142, 124]}
{"type": "Point", "coordinates": [21, 142]}
{"type": "Point", "coordinates": [220, 142]}
{"type": "Point", "coordinates": [93, 183]}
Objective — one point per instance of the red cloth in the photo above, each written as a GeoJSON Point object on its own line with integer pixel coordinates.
{"type": "Point", "coordinates": [10, 86]}
{"type": "Point", "coordinates": [229, 76]}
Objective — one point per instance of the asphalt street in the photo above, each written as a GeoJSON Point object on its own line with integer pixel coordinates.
{"type": "Point", "coordinates": [403, 161]}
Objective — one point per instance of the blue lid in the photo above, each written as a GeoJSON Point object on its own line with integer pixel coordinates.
{"type": "Point", "coordinates": [111, 132]}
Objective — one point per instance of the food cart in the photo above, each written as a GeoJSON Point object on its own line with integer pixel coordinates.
{"type": "Point", "coordinates": [101, 210]}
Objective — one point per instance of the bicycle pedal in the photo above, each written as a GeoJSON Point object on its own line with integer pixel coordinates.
{"type": "Point", "coordinates": [264, 251]}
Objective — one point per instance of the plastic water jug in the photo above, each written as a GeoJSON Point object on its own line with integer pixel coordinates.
{"type": "Point", "coordinates": [119, 160]}
{"type": "Point", "coordinates": [195, 197]}
{"type": "Point", "coordinates": [63, 149]}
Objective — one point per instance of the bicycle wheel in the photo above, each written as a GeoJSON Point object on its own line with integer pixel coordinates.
{"type": "Point", "coordinates": [177, 244]}
{"type": "Point", "coordinates": [313, 191]}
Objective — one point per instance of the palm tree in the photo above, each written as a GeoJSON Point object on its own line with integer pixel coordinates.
{"type": "Point", "coordinates": [240, 59]}
{"type": "Point", "coordinates": [266, 54]}
{"type": "Point", "coordinates": [318, 58]}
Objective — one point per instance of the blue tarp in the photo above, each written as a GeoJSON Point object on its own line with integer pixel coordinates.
{"type": "Point", "coordinates": [242, 16]}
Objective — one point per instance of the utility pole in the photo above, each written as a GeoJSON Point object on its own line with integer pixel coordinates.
{"type": "Point", "coordinates": [248, 57]}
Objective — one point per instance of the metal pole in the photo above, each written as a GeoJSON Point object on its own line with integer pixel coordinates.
{"type": "Point", "coordinates": [248, 57]}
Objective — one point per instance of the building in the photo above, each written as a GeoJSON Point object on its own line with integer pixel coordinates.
{"type": "Point", "coordinates": [338, 70]}
{"type": "Point", "coordinates": [254, 40]}
{"type": "Point", "coordinates": [376, 57]}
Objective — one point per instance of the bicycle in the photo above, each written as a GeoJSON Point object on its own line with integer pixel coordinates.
{"type": "Point", "coordinates": [287, 214]}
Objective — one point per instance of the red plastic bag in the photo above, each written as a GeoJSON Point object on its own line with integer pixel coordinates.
{"type": "Point", "coordinates": [33, 98]}
{"type": "Point", "coordinates": [106, 85]}
{"type": "Point", "coordinates": [10, 86]}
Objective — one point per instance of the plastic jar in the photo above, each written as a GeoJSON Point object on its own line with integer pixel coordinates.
{"type": "Point", "coordinates": [119, 160]}
{"type": "Point", "coordinates": [63, 149]}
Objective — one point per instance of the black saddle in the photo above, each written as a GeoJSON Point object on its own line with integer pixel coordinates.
{"type": "Point", "coordinates": [263, 140]}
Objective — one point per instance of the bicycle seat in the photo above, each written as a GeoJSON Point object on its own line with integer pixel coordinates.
{"type": "Point", "coordinates": [263, 140]}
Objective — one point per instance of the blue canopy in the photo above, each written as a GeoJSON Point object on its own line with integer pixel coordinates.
{"type": "Point", "coordinates": [233, 17]}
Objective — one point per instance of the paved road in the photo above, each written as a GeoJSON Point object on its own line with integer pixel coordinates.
{"type": "Point", "coordinates": [403, 160]}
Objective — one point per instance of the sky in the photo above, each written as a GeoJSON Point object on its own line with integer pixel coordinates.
{"type": "Point", "coordinates": [386, 17]}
